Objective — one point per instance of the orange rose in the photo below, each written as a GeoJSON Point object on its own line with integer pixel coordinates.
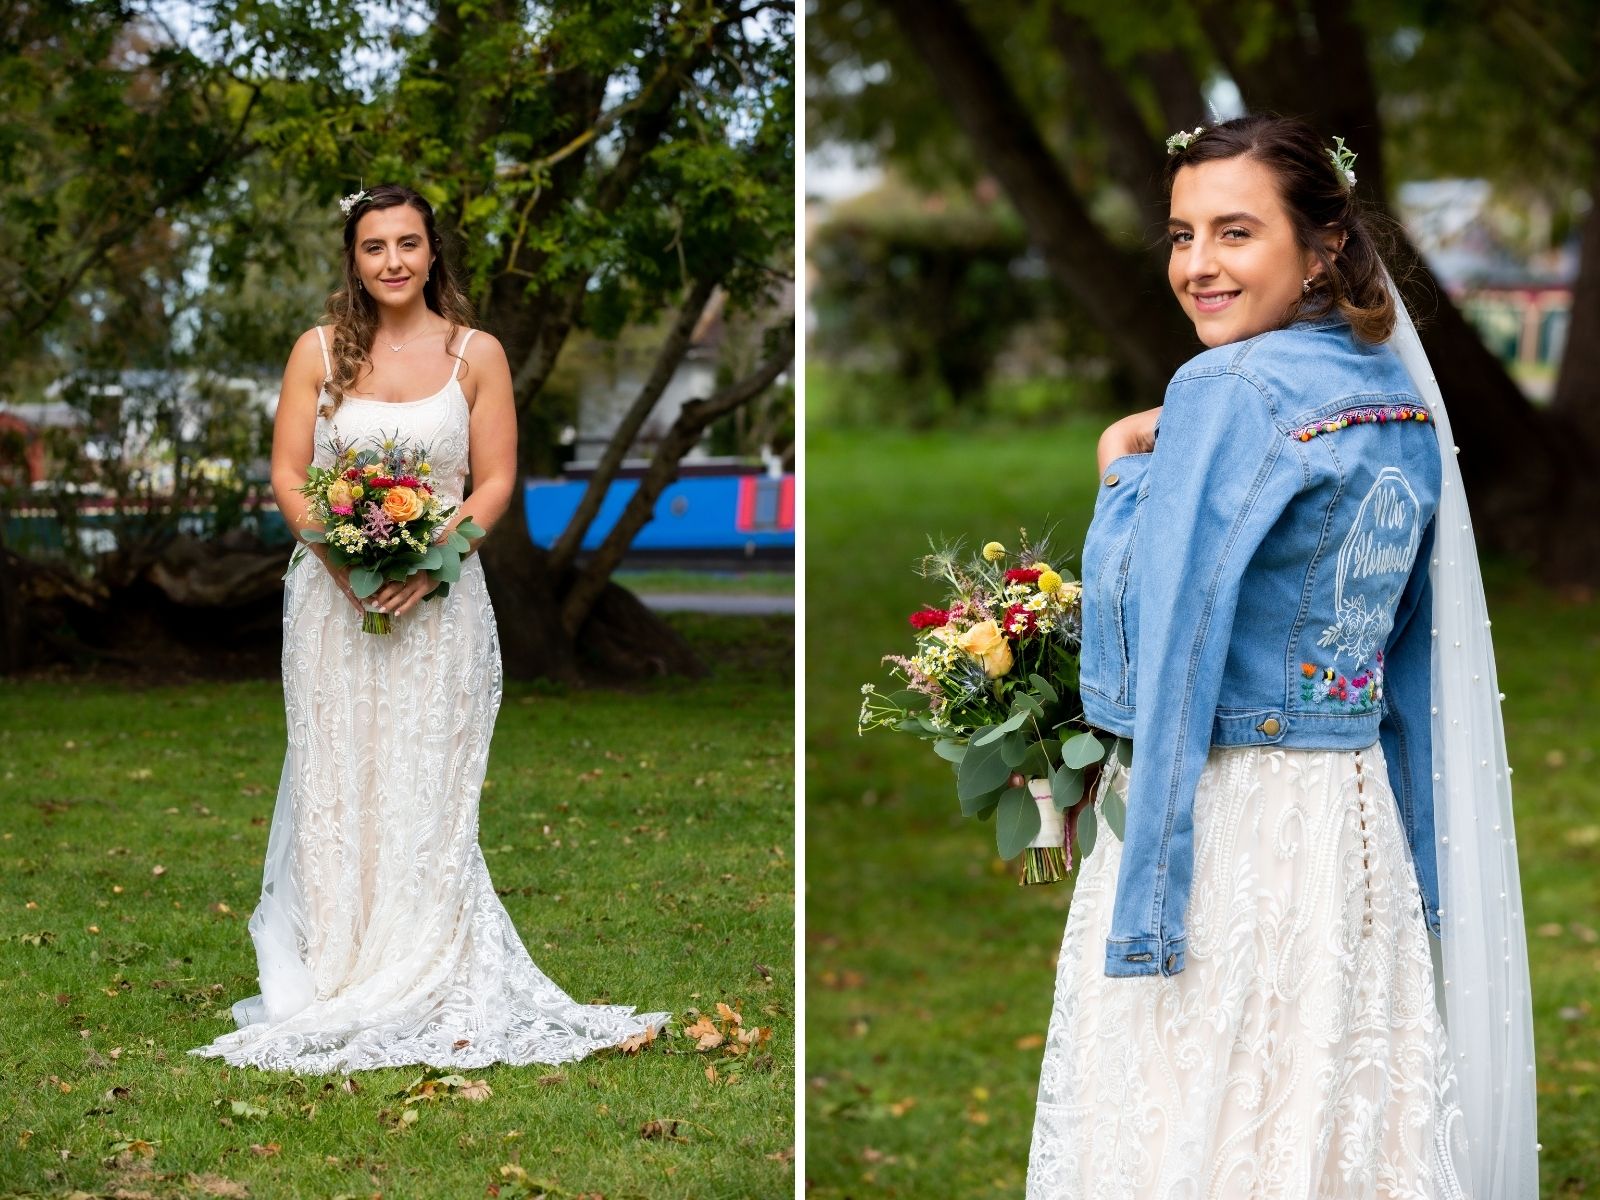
{"type": "Point", "coordinates": [402, 504]}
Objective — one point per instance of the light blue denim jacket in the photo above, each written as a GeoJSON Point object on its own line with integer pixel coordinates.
{"type": "Point", "coordinates": [1261, 578]}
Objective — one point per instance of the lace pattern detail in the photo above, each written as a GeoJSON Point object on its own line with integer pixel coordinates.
{"type": "Point", "coordinates": [1300, 1054]}
{"type": "Point", "coordinates": [379, 937]}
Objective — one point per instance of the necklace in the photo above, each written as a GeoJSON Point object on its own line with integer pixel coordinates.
{"type": "Point", "coordinates": [403, 344]}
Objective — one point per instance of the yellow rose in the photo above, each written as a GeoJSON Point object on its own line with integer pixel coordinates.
{"type": "Point", "coordinates": [988, 645]}
{"type": "Point", "coordinates": [1049, 581]}
{"type": "Point", "coordinates": [340, 494]}
{"type": "Point", "coordinates": [994, 552]}
{"type": "Point", "coordinates": [402, 504]}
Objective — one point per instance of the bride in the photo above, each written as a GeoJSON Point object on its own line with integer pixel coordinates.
{"type": "Point", "coordinates": [379, 937]}
{"type": "Point", "coordinates": [1298, 968]}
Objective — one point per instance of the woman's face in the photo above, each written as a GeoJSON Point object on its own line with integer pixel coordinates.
{"type": "Point", "coordinates": [1235, 265]}
{"type": "Point", "coordinates": [392, 254]}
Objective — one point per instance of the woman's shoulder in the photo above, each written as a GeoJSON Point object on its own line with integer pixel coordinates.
{"type": "Point", "coordinates": [1304, 366]}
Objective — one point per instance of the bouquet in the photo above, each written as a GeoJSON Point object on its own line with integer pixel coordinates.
{"type": "Point", "coordinates": [993, 684]}
{"type": "Point", "coordinates": [380, 518]}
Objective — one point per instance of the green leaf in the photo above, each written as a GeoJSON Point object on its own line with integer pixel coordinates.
{"type": "Point", "coordinates": [1035, 763]}
{"type": "Point", "coordinates": [364, 581]}
{"type": "Point", "coordinates": [1125, 751]}
{"type": "Point", "coordinates": [1085, 832]}
{"type": "Point", "coordinates": [1114, 811]}
{"type": "Point", "coordinates": [986, 810]}
{"type": "Point", "coordinates": [1016, 822]}
{"type": "Point", "coordinates": [949, 750]}
{"type": "Point", "coordinates": [441, 592]}
{"type": "Point", "coordinates": [995, 732]}
{"type": "Point", "coordinates": [431, 560]}
{"type": "Point", "coordinates": [457, 543]}
{"type": "Point", "coordinates": [1081, 750]}
{"type": "Point", "coordinates": [1014, 748]}
{"type": "Point", "coordinates": [449, 568]}
{"type": "Point", "coordinates": [469, 528]}
{"type": "Point", "coordinates": [1066, 787]}
{"type": "Point", "coordinates": [1027, 704]}
{"type": "Point", "coordinates": [982, 770]}
{"type": "Point", "coordinates": [1042, 686]}
{"type": "Point", "coordinates": [909, 725]}
{"type": "Point", "coordinates": [314, 535]}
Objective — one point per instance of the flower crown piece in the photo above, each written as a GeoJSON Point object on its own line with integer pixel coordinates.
{"type": "Point", "coordinates": [350, 201]}
{"type": "Point", "coordinates": [1344, 162]}
{"type": "Point", "coordinates": [1181, 139]}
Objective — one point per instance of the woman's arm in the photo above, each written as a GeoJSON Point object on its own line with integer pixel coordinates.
{"type": "Point", "coordinates": [1133, 434]}
{"type": "Point", "coordinates": [492, 446]}
{"type": "Point", "coordinates": [293, 447]}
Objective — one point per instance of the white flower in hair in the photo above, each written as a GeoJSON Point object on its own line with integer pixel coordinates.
{"type": "Point", "coordinates": [1181, 139]}
{"type": "Point", "coordinates": [350, 201]}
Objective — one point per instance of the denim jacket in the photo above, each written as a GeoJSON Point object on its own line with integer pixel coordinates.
{"type": "Point", "coordinates": [1261, 578]}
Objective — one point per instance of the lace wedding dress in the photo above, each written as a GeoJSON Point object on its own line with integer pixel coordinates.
{"type": "Point", "coordinates": [379, 937]}
{"type": "Point", "coordinates": [1300, 1053]}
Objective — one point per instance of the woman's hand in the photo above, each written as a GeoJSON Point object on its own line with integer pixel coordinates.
{"type": "Point", "coordinates": [1133, 434]}
{"type": "Point", "coordinates": [341, 575]}
{"type": "Point", "coordinates": [398, 597]}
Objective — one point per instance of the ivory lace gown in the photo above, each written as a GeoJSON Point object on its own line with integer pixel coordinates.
{"type": "Point", "coordinates": [1300, 1053]}
{"type": "Point", "coordinates": [379, 937]}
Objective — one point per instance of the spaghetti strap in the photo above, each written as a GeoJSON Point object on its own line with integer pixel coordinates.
{"type": "Point", "coordinates": [464, 342]}
{"type": "Point", "coordinates": [327, 365]}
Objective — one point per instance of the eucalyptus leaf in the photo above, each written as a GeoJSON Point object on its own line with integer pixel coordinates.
{"type": "Point", "coordinates": [469, 528]}
{"type": "Point", "coordinates": [449, 568]}
{"type": "Point", "coordinates": [1114, 811]}
{"type": "Point", "coordinates": [1014, 748]}
{"type": "Point", "coordinates": [1044, 688]}
{"type": "Point", "coordinates": [908, 698]}
{"type": "Point", "coordinates": [1125, 751]}
{"type": "Point", "coordinates": [909, 725]}
{"type": "Point", "coordinates": [1081, 750]}
{"type": "Point", "coordinates": [1016, 822]}
{"type": "Point", "coordinates": [314, 535]}
{"type": "Point", "coordinates": [995, 732]}
{"type": "Point", "coordinates": [364, 581]}
{"type": "Point", "coordinates": [1035, 763]}
{"type": "Point", "coordinates": [987, 810]}
{"type": "Point", "coordinates": [951, 751]}
{"type": "Point", "coordinates": [1085, 831]}
{"type": "Point", "coordinates": [1066, 787]}
{"type": "Point", "coordinates": [457, 543]}
{"type": "Point", "coordinates": [1022, 701]}
{"type": "Point", "coordinates": [982, 770]}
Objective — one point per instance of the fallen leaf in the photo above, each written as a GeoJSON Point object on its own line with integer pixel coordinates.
{"type": "Point", "coordinates": [786, 1155]}
{"type": "Point", "coordinates": [1029, 1041]}
{"type": "Point", "coordinates": [706, 1033]}
{"type": "Point", "coordinates": [267, 1151]}
{"type": "Point", "coordinates": [478, 1089]}
{"type": "Point", "coordinates": [551, 1080]}
{"type": "Point", "coordinates": [219, 1185]}
{"type": "Point", "coordinates": [666, 1131]}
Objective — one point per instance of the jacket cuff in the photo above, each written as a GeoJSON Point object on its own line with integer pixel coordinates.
{"type": "Point", "coordinates": [1127, 957]}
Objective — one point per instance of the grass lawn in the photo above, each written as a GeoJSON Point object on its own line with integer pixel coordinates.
{"type": "Point", "coordinates": [642, 842]}
{"type": "Point", "coordinates": [929, 973]}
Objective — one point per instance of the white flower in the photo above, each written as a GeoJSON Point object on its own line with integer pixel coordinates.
{"type": "Point", "coordinates": [350, 201]}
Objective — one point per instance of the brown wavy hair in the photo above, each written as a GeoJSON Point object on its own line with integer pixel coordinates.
{"type": "Point", "coordinates": [354, 313]}
{"type": "Point", "coordinates": [1318, 201]}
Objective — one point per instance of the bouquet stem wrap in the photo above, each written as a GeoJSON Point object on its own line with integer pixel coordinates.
{"type": "Point", "coordinates": [1046, 858]}
{"type": "Point", "coordinates": [374, 620]}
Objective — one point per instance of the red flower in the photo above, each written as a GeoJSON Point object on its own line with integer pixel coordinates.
{"type": "Point", "coordinates": [1023, 575]}
{"type": "Point", "coordinates": [410, 481]}
{"type": "Point", "coordinates": [1019, 628]}
{"type": "Point", "coordinates": [378, 481]}
{"type": "Point", "coordinates": [930, 618]}
{"type": "Point", "coordinates": [352, 473]}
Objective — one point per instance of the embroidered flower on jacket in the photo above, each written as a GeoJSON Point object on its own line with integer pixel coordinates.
{"type": "Point", "coordinates": [1323, 687]}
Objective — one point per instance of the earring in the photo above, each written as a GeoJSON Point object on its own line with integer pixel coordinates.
{"type": "Point", "coordinates": [1305, 286]}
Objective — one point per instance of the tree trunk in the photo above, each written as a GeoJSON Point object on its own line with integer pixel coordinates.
{"type": "Point", "coordinates": [1577, 396]}
{"type": "Point", "coordinates": [1125, 296]}
{"type": "Point", "coordinates": [668, 357]}
{"type": "Point", "coordinates": [663, 469]}
{"type": "Point", "coordinates": [621, 639]}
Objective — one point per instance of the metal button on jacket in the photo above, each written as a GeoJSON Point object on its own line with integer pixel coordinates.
{"type": "Point", "coordinates": [1111, 479]}
{"type": "Point", "coordinates": [1270, 727]}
